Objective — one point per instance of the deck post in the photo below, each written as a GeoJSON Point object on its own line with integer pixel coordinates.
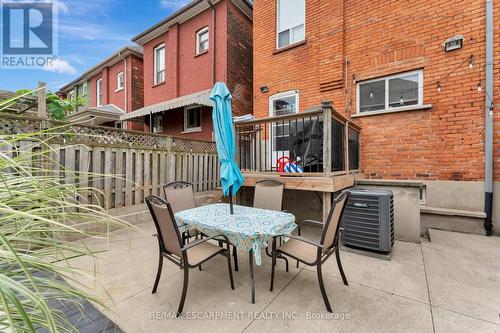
{"type": "Point", "coordinates": [327, 107]}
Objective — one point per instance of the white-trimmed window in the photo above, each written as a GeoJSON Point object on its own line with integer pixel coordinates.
{"type": "Point", "coordinates": [202, 42]}
{"type": "Point", "coordinates": [85, 89]}
{"type": "Point", "coordinates": [192, 119]}
{"type": "Point", "coordinates": [284, 103]}
{"type": "Point", "coordinates": [391, 92]}
{"type": "Point", "coordinates": [157, 124]}
{"type": "Point", "coordinates": [99, 92]}
{"type": "Point", "coordinates": [159, 64]}
{"type": "Point", "coordinates": [291, 23]}
{"type": "Point", "coordinates": [119, 81]}
{"type": "Point", "coordinates": [71, 95]}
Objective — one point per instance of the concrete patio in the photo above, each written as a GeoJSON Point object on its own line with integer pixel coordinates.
{"type": "Point", "coordinates": [449, 284]}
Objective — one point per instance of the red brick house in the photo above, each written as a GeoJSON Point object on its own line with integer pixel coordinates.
{"type": "Point", "coordinates": [112, 88]}
{"type": "Point", "coordinates": [184, 55]}
{"type": "Point", "coordinates": [384, 65]}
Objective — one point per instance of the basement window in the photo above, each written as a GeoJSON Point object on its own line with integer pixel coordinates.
{"type": "Point", "coordinates": [202, 42]}
{"type": "Point", "coordinates": [291, 22]}
{"type": "Point", "coordinates": [391, 92]}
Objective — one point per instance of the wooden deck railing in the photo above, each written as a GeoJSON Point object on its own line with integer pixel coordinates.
{"type": "Point", "coordinates": [316, 145]}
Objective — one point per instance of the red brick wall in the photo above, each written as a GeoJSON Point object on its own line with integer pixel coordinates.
{"type": "Point", "coordinates": [186, 73]}
{"type": "Point", "coordinates": [239, 55]}
{"type": "Point", "coordinates": [135, 89]}
{"type": "Point", "coordinates": [383, 38]}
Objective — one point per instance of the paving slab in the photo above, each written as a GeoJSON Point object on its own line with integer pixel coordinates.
{"type": "Point", "coordinates": [447, 321]}
{"type": "Point", "coordinates": [356, 309]}
{"type": "Point", "coordinates": [209, 297]}
{"type": "Point", "coordinates": [459, 278]}
{"type": "Point", "coordinates": [403, 275]}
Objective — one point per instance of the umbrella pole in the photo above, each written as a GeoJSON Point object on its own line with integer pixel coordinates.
{"type": "Point", "coordinates": [231, 199]}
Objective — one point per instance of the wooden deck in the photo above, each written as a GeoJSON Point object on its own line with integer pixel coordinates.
{"type": "Point", "coordinates": [304, 181]}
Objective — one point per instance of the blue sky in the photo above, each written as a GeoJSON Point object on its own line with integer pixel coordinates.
{"type": "Point", "coordinates": [89, 31]}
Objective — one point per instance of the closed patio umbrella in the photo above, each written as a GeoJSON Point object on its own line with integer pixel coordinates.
{"type": "Point", "coordinates": [230, 174]}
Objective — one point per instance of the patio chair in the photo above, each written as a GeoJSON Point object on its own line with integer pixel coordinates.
{"type": "Point", "coordinates": [180, 195]}
{"type": "Point", "coordinates": [268, 194]}
{"type": "Point", "coordinates": [313, 253]}
{"type": "Point", "coordinates": [171, 246]}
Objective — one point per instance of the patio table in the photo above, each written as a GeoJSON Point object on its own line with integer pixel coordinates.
{"type": "Point", "coordinates": [248, 229]}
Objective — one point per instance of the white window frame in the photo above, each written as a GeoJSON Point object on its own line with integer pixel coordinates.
{"type": "Point", "coordinates": [118, 85]}
{"type": "Point", "coordinates": [99, 92]}
{"type": "Point", "coordinates": [85, 89]}
{"type": "Point", "coordinates": [283, 95]}
{"type": "Point", "coordinates": [71, 95]}
{"type": "Point", "coordinates": [387, 108]}
{"type": "Point", "coordinates": [276, 154]}
{"type": "Point", "coordinates": [198, 41]}
{"type": "Point", "coordinates": [155, 63]}
{"type": "Point", "coordinates": [278, 25]}
{"type": "Point", "coordinates": [192, 129]}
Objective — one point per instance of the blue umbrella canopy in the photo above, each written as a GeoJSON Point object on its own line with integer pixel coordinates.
{"type": "Point", "coordinates": [231, 177]}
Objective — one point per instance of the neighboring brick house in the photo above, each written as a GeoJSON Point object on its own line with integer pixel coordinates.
{"type": "Point", "coordinates": [383, 64]}
{"type": "Point", "coordinates": [110, 89]}
{"type": "Point", "coordinates": [183, 60]}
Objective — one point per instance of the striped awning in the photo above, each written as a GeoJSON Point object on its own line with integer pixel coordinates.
{"type": "Point", "coordinates": [199, 98]}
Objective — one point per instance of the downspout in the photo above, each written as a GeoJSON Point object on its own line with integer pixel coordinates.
{"type": "Point", "coordinates": [213, 39]}
{"type": "Point", "coordinates": [488, 195]}
{"type": "Point", "coordinates": [125, 71]}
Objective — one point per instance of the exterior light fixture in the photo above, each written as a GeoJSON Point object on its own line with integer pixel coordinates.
{"type": "Point", "coordinates": [438, 87]}
{"type": "Point", "coordinates": [453, 43]}
{"type": "Point", "coordinates": [264, 89]}
{"type": "Point", "coordinates": [479, 86]}
{"type": "Point", "coordinates": [401, 100]}
{"type": "Point", "coordinates": [371, 94]}
{"type": "Point", "coordinates": [471, 62]}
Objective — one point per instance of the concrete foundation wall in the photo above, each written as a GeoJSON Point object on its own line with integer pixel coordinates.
{"type": "Point", "coordinates": [406, 206]}
{"type": "Point", "coordinates": [462, 195]}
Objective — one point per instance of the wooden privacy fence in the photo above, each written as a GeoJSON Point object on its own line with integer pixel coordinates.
{"type": "Point", "coordinates": [135, 164]}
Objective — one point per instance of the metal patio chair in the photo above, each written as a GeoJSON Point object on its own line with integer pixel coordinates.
{"type": "Point", "coordinates": [180, 196]}
{"type": "Point", "coordinates": [268, 194]}
{"type": "Point", "coordinates": [313, 253]}
{"type": "Point", "coordinates": [172, 247]}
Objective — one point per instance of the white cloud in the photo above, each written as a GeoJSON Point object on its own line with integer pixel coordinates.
{"type": "Point", "coordinates": [62, 7]}
{"type": "Point", "coordinates": [173, 4]}
{"type": "Point", "coordinates": [60, 66]}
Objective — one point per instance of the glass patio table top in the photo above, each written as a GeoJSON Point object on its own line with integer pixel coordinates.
{"type": "Point", "coordinates": [248, 228]}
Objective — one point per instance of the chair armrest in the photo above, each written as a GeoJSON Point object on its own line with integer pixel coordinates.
{"type": "Point", "coordinates": [199, 241]}
{"type": "Point", "coordinates": [302, 239]}
{"type": "Point", "coordinates": [310, 222]}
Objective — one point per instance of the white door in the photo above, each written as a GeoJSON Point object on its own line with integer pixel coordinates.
{"type": "Point", "coordinates": [279, 105]}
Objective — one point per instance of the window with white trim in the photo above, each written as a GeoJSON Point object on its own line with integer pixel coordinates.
{"type": "Point", "coordinates": [85, 89]}
{"type": "Point", "coordinates": [99, 92]}
{"type": "Point", "coordinates": [119, 81]}
{"type": "Point", "coordinates": [157, 124]}
{"type": "Point", "coordinates": [159, 64]}
{"type": "Point", "coordinates": [291, 16]}
{"type": "Point", "coordinates": [390, 92]}
{"type": "Point", "coordinates": [202, 42]}
{"type": "Point", "coordinates": [71, 95]}
{"type": "Point", "coordinates": [192, 119]}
